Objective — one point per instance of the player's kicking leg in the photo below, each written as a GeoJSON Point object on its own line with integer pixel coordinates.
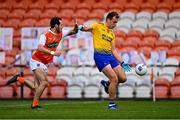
{"type": "Point", "coordinates": [120, 74]}
{"type": "Point", "coordinates": [13, 79]}
{"type": "Point", "coordinates": [22, 80]}
{"type": "Point", "coordinates": [40, 83]}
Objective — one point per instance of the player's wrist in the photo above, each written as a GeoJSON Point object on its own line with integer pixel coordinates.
{"type": "Point", "coordinates": [80, 27]}
{"type": "Point", "coordinates": [52, 52]}
{"type": "Point", "coordinates": [122, 62]}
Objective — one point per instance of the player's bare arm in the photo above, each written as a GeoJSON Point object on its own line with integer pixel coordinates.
{"type": "Point", "coordinates": [73, 31]}
{"type": "Point", "coordinates": [43, 49]}
{"type": "Point", "coordinates": [55, 53]}
{"type": "Point", "coordinates": [115, 53]}
{"type": "Point", "coordinates": [61, 51]}
{"type": "Point", "coordinates": [124, 65]}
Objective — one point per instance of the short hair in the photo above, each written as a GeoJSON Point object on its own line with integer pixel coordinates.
{"type": "Point", "coordinates": [54, 21]}
{"type": "Point", "coordinates": [110, 15]}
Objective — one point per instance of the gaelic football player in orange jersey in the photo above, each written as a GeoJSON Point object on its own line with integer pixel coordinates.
{"type": "Point", "coordinates": [47, 46]}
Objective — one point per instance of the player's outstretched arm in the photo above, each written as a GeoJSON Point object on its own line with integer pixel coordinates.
{"type": "Point", "coordinates": [73, 31]}
{"type": "Point", "coordinates": [61, 51]}
{"type": "Point", "coordinates": [43, 49]}
{"type": "Point", "coordinates": [54, 53]}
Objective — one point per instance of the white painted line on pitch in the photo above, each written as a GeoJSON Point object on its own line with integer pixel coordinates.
{"type": "Point", "coordinates": [48, 104]}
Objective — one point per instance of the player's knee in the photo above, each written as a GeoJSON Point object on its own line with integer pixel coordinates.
{"type": "Point", "coordinates": [114, 80]}
{"type": "Point", "coordinates": [122, 79]}
{"type": "Point", "coordinates": [45, 83]}
{"type": "Point", "coordinates": [33, 88]}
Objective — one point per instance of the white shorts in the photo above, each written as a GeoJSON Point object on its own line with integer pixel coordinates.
{"type": "Point", "coordinates": [35, 64]}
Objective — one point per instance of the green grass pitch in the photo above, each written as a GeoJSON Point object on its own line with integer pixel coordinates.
{"type": "Point", "coordinates": [83, 109]}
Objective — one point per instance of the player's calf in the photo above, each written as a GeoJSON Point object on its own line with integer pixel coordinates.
{"type": "Point", "coordinates": [15, 78]}
{"type": "Point", "coordinates": [122, 80]}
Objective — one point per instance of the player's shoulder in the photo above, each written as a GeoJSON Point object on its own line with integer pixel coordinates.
{"type": "Point", "coordinates": [46, 32]}
{"type": "Point", "coordinates": [100, 24]}
{"type": "Point", "coordinates": [97, 24]}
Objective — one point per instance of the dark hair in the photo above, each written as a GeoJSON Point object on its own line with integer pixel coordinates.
{"type": "Point", "coordinates": [54, 21]}
{"type": "Point", "coordinates": [111, 15]}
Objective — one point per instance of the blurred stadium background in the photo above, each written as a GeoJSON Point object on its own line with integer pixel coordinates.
{"type": "Point", "coordinates": [147, 28]}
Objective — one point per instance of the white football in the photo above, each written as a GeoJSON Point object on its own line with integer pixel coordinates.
{"type": "Point", "coordinates": [141, 69]}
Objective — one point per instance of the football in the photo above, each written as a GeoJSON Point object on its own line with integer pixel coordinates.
{"type": "Point", "coordinates": [141, 69]}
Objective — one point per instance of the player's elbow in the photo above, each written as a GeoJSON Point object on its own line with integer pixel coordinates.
{"type": "Point", "coordinates": [40, 47]}
{"type": "Point", "coordinates": [75, 31]}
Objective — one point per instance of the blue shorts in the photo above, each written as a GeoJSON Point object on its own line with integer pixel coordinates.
{"type": "Point", "coordinates": [102, 60]}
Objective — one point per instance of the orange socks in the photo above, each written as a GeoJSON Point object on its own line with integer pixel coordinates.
{"type": "Point", "coordinates": [35, 102]}
{"type": "Point", "coordinates": [21, 79]}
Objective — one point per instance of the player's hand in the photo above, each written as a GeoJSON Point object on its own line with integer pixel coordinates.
{"type": "Point", "coordinates": [57, 53]}
{"type": "Point", "coordinates": [67, 49]}
{"type": "Point", "coordinates": [70, 48]}
{"type": "Point", "coordinates": [75, 29]}
{"type": "Point", "coordinates": [126, 66]}
{"type": "Point", "coordinates": [80, 27]}
{"type": "Point", "coordinates": [64, 50]}
{"type": "Point", "coordinates": [75, 26]}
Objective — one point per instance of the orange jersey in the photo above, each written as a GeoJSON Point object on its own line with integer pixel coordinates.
{"type": "Point", "coordinates": [52, 41]}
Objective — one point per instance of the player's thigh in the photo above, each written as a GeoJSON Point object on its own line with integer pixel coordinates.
{"type": "Point", "coordinates": [109, 72]}
{"type": "Point", "coordinates": [40, 75]}
{"type": "Point", "coordinates": [36, 82]}
{"type": "Point", "coordinates": [120, 73]}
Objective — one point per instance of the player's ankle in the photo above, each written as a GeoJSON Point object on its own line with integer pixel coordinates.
{"type": "Point", "coordinates": [35, 103]}
{"type": "Point", "coordinates": [21, 79]}
{"type": "Point", "coordinates": [111, 102]}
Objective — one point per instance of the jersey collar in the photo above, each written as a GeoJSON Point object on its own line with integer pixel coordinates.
{"type": "Point", "coordinates": [53, 32]}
